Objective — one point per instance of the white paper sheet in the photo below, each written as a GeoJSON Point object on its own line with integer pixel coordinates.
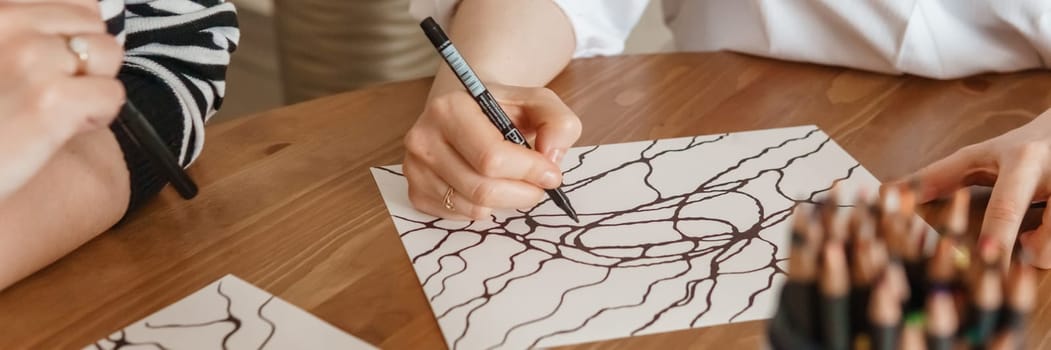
{"type": "Point", "coordinates": [674, 234]}
{"type": "Point", "coordinates": [230, 314]}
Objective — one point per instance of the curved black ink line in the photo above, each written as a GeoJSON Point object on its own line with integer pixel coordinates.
{"type": "Point", "coordinates": [389, 171]}
{"type": "Point", "coordinates": [561, 300]}
{"type": "Point", "coordinates": [689, 289]}
{"type": "Point", "coordinates": [273, 327]}
{"type": "Point", "coordinates": [446, 278]}
{"type": "Point", "coordinates": [485, 286]}
{"type": "Point", "coordinates": [467, 320]}
{"type": "Point", "coordinates": [751, 298]}
{"type": "Point", "coordinates": [236, 322]}
{"type": "Point", "coordinates": [761, 153]}
{"type": "Point", "coordinates": [458, 256]}
{"type": "Point", "coordinates": [580, 160]}
{"type": "Point", "coordinates": [727, 244]}
{"type": "Point", "coordinates": [122, 341]}
{"type": "Point", "coordinates": [645, 297]}
{"type": "Point", "coordinates": [437, 246]}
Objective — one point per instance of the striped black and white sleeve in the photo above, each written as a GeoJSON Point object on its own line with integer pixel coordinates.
{"type": "Point", "coordinates": [174, 71]}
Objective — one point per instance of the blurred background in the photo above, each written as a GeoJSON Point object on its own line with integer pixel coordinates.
{"type": "Point", "coordinates": [296, 50]}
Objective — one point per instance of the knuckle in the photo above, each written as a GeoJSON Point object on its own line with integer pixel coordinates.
{"type": "Point", "coordinates": [483, 193]}
{"type": "Point", "coordinates": [1001, 211]}
{"type": "Point", "coordinates": [435, 106]}
{"type": "Point", "coordinates": [544, 93]}
{"type": "Point", "coordinates": [442, 107]}
{"type": "Point", "coordinates": [416, 142]}
{"type": "Point", "coordinates": [490, 161]}
{"type": "Point", "coordinates": [572, 124]}
{"type": "Point", "coordinates": [969, 150]}
{"type": "Point", "coordinates": [417, 199]}
{"type": "Point", "coordinates": [46, 98]}
{"type": "Point", "coordinates": [88, 15]}
{"type": "Point", "coordinates": [1031, 150]}
{"type": "Point", "coordinates": [109, 47]}
{"type": "Point", "coordinates": [1042, 259]}
{"type": "Point", "coordinates": [533, 198]}
{"type": "Point", "coordinates": [25, 51]}
{"type": "Point", "coordinates": [116, 89]}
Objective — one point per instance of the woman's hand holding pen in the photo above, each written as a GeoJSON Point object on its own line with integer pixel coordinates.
{"type": "Point", "coordinates": [1018, 165]}
{"type": "Point", "coordinates": [453, 152]}
{"type": "Point", "coordinates": [59, 67]}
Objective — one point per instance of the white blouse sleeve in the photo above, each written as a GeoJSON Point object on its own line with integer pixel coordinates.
{"type": "Point", "coordinates": [601, 26]}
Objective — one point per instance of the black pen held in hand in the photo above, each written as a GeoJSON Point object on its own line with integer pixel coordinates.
{"type": "Point", "coordinates": [485, 100]}
{"type": "Point", "coordinates": [146, 138]}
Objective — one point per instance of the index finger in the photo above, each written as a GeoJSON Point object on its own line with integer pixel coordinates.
{"type": "Point", "coordinates": [49, 18]}
{"type": "Point", "coordinates": [945, 175]}
{"type": "Point", "coordinates": [92, 5]}
{"type": "Point", "coordinates": [1008, 203]}
{"type": "Point", "coordinates": [557, 126]}
{"type": "Point", "coordinates": [484, 148]}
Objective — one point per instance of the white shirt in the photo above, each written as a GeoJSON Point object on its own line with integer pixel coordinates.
{"type": "Point", "coordinates": [933, 38]}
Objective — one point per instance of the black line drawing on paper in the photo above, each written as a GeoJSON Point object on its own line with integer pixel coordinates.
{"type": "Point", "coordinates": [674, 234]}
{"type": "Point", "coordinates": [229, 314]}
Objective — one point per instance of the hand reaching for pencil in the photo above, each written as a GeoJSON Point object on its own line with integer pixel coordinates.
{"type": "Point", "coordinates": [876, 277]}
{"type": "Point", "coordinates": [460, 167]}
{"type": "Point", "coordinates": [1018, 166]}
{"type": "Point", "coordinates": [59, 67]}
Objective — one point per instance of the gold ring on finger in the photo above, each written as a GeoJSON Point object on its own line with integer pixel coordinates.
{"type": "Point", "coordinates": [448, 199]}
{"type": "Point", "coordinates": [79, 47]}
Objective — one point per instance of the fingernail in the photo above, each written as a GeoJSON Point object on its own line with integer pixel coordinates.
{"type": "Point", "coordinates": [987, 245]}
{"type": "Point", "coordinates": [555, 155]}
{"type": "Point", "coordinates": [549, 179]}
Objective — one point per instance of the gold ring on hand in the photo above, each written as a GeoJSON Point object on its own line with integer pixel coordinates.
{"type": "Point", "coordinates": [79, 47]}
{"type": "Point", "coordinates": [448, 200]}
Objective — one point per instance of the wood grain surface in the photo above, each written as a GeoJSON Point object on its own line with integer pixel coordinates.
{"type": "Point", "coordinates": [288, 204]}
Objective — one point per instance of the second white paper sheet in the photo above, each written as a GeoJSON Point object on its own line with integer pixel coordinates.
{"type": "Point", "coordinates": [673, 234]}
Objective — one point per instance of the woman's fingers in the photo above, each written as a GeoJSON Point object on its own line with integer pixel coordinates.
{"type": "Point", "coordinates": [50, 115]}
{"type": "Point", "coordinates": [473, 136]}
{"type": "Point", "coordinates": [479, 189]}
{"type": "Point", "coordinates": [48, 18]}
{"type": "Point", "coordinates": [424, 196]}
{"type": "Point", "coordinates": [950, 173]}
{"type": "Point", "coordinates": [1010, 199]}
{"type": "Point", "coordinates": [45, 57]}
{"type": "Point", "coordinates": [91, 5]}
{"type": "Point", "coordinates": [64, 106]}
{"type": "Point", "coordinates": [104, 54]}
{"type": "Point", "coordinates": [1038, 242]}
{"type": "Point", "coordinates": [455, 145]}
{"type": "Point", "coordinates": [542, 111]}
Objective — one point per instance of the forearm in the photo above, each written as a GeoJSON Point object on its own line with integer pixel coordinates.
{"type": "Point", "coordinates": [81, 192]}
{"type": "Point", "coordinates": [510, 42]}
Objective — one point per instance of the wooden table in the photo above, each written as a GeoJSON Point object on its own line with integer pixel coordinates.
{"type": "Point", "coordinates": [288, 203]}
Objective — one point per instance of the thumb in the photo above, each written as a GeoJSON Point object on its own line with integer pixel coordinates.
{"type": "Point", "coordinates": [541, 110]}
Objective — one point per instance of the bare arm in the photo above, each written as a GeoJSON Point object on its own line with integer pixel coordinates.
{"type": "Point", "coordinates": [509, 42]}
{"type": "Point", "coordinates": [79, 193]}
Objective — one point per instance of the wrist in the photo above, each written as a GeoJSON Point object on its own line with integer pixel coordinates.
{"type": "Point", "coordinates": [444, 83]}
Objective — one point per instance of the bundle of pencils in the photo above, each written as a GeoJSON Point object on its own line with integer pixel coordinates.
{"type": "Point", "coordinates": [875, 276]}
